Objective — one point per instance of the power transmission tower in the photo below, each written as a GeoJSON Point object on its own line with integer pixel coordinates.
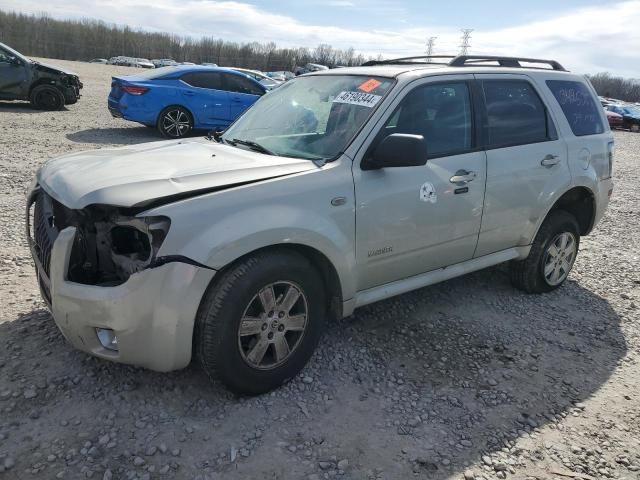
{"type": "Point", "coordinates": [466, 39]}
{"type": "Point", "coordinates": [431, 41]}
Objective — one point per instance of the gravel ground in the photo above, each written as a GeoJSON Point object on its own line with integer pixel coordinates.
{"type": "Point", "coordinates": [466, 379]}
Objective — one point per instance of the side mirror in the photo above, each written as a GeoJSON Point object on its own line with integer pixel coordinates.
{"type": "Point", "coordinates": [397, 150]}
{"type": "Point", "coordinates": [15, 61]}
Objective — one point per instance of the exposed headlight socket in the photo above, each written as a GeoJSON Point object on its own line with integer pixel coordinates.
{"type": "Point", "coordinates": [107, 338]}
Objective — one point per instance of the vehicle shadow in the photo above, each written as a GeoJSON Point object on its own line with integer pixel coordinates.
{"type": "Point", "coordinates": [436, 379]}
{"type": "Point", "coordinates": [115, 135]}
{"type": "Point", "coordinates": [22, 108]}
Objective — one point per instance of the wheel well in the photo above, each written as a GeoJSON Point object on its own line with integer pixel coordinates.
{"type": "Point", "coordinates": [323, 265]}
{"type": "Point", "coordinates": [580, 203]}
{"type": "Point", "coordinates": [44, 81]}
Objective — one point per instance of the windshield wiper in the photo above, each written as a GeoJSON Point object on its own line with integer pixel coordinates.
{"type": "Point", "coordinates": [252, 145]}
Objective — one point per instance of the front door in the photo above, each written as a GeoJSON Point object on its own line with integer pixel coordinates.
{"type": "Point", "coordinates": [13, 76]}
{"type": "Point", "coordinates": [412, 220]}
{"type": "Point", "coordinates": [526, 162]}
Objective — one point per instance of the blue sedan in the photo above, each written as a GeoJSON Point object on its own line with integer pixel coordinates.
{"type": "Point", "coordinates": [176, 100]}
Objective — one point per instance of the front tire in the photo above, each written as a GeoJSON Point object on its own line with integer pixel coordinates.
{"type": "Point", "coordinates": [175, 122]}
{"type": "Point", "coordinates": [259, 324]}
{"type": "Point", "coordinates": [552, 255]}
{"type": "Point", "coordinates": [46, 97]}
{"type": "Point", "coordinates": [635, 128]}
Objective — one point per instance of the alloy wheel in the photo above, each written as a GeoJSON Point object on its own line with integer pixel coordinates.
{"type": "Point", "coordinates": [559, 258]}
{"type": "Point", "coordinates": [176, 123]}
{"type": "Point", "coordinates": [272, 325]}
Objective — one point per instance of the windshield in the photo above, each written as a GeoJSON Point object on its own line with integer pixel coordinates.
{"type": "Point", "coordinates": [312, 117]}
{"type": "Point", "coordinates": [632, 111]}
{"type": "Point", "coordinates": [11, 52]}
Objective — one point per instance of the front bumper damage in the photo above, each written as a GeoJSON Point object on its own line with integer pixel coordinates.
{"type": "Point", "coordinates": [152, 312]}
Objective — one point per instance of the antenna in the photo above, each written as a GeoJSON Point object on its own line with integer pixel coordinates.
{"type": "Point", "coordinates": [466, 38]}
{"type": "Point", "coordinates": [431, 41]}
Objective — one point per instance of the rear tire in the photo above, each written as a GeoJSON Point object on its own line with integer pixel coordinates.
{"type": "Point", "coordinates": [259, 324]}
{"type": "Point", "coordinates": [552, 255]}
{"type": "Point", "coordinates": [46, 97]}
{"type": "Point", "coordinates": [175, 122]}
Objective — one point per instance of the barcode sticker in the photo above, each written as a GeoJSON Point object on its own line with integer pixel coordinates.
{"type": "Point", "coordinates": [358, 98]}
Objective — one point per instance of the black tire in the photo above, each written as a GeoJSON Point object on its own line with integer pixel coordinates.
{"type": "Point", "coordinates": [46, 97]}
{"type": "Point", "coordinates": [528, 274]}
{"type": "Point", "coordinates": [175, 122]}
{"type": "Point", "coordinates": [635, 127]}
{"type": "Point", "coordinates": [217, 341]}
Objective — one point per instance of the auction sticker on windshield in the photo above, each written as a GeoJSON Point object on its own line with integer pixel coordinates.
{"type": "Point", "coordinates": [358, 98]}
{"type": "Point", "coordinates": [370, 85]}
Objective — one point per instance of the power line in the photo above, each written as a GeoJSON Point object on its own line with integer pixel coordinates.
{"type": "Point", "coordinates": [466, 40]}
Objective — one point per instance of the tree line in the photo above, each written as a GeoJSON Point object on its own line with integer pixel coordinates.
{"type": "Point", "coordinates": [616, 87]}
{"type": "Point", "coordinates": [43, 36]}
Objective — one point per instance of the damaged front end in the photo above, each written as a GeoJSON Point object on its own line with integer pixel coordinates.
{"type": "Point", "coordinates": [110, 243]}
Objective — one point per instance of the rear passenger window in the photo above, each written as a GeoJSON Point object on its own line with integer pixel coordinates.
{"type": "Point", "coordinates": [240, 84]}
{"type": "Point", "coordinates": [441, 113]}
{"type": "Point", "coordinates": [578, 106]}
{"type": "Point", "coordinates": [515, 114]}
{"type": "Point", "coordinates": [209, 80]}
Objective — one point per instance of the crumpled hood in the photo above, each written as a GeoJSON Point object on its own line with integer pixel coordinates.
{"type": "Point", "coordinates": [47, 67]}
{"type": "Point", "coordinates": [138, 175]}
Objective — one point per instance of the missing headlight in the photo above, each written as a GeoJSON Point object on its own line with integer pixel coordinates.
{"type": "Point", "coordinates": [110, 247]}
{"type": "Point", "coordinates": [134, 243]}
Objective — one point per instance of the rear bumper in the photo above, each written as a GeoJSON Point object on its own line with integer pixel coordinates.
{"type": "Point", "coordinates": [605, 191]}
{"type": "Point", "coordinates": [152, 314]}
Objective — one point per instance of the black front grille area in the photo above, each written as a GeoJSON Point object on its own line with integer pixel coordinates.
{"type": "Point", "coordinates": [47, 218]}
{"type": "Point", "coordinates": [44, 230]}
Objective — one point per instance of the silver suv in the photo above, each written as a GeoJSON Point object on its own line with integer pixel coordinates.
{"type": "Point", "coordinates": [339, 189]}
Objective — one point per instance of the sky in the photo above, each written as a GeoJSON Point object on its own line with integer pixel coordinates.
{"type": "Point", "coordinates": [586, 36]}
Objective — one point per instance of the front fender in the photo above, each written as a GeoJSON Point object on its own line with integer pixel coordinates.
{"type": "Point", "coordinates": [217, 228]}
{"type": "Point", "coordinates": [248, 231]}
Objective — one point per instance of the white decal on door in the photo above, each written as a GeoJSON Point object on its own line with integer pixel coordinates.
{"type": "Point", "coordinates": [428, 193]}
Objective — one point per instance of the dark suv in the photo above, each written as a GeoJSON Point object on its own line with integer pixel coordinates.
{"type": "Point", "coordinates": [47, 87]}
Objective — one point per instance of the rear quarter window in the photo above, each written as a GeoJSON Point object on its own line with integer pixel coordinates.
{"type": "Point", "coordinates": [578, 106]}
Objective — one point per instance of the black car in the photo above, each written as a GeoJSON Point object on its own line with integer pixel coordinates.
{"type": "Point", "coordinates": [47, 87]}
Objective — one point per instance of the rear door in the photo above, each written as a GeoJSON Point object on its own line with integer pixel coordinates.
{"type": "Point", "coordinates": [242, 93]}
{"type": "Point", "coordinates": [526, 161]}
{"type": "Point", "coordinates": [206, 98]}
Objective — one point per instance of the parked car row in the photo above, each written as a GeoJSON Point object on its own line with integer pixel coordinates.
{"type": "Point", "coordinates": [622, 114]}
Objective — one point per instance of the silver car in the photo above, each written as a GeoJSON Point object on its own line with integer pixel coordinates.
{"type": "Point", "coordinates": [338, 189]}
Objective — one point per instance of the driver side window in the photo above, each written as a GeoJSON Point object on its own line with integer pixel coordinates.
{"type": "Point", "coordinates": [440, 112]}
{"type": "Point", "coordinates": [4, 57]}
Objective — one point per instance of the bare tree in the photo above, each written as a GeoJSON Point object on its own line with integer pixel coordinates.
{"type": "Point", "coordinates": [43, 36]}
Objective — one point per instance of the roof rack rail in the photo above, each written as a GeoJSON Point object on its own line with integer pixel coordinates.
{"type": "Point", "coordinates": [466, 61]}
{"type": "Point", "coordinates": [513, 62]}
{"type": "Point", "coordinates": [410, 60]}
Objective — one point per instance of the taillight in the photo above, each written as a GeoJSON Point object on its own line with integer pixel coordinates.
{"type": "Point", "coordinates": [610, 151]}
{"type": "Point", "coordinates": [131, 90]}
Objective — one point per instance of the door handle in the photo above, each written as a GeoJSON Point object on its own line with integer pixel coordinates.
{"type": "Point", "coordinates": [550, 160]}
{"type": "Point", "coordinates": [463, 176]}
{"type": "Point", "coordinates": [189, 94]}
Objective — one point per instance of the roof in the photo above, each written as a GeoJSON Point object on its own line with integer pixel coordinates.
{"type": "Point", "coordinates": [442, 64]}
